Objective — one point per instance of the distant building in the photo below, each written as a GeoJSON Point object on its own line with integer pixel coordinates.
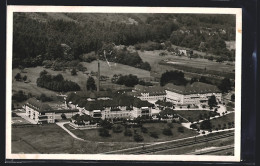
{"type": "Point", "coordinates": [195, 93]}
{"type": "Point", "coordinates": [152, 94]}
{"type": "Point", "coordinates": [42, 113]}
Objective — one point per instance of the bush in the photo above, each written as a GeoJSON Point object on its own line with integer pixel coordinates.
{"type": "Point", "coordinates": [203, 132]}
{"type": "Point", "coordinates": [144, 129]}
{"type": "Point", "coordinates": [181, 129]}
{"type": "Point", "coordinates": [154, 134]}
{"type": "Point", "coordinates": [170, 125]}
{"type": "Point", "coordinates": [193, 126]}
{"type": "Point", "coordinates": [103, 132]}
{"type": "Point", "coordinates": [117, 128]}
{"type": "Point", "coordinates": [138, 137]}
{"type": "Point", "coordinates": [63, 116]}
{"type": "Point", "coordinates": [128, 132]}
{"type": "Point", "coordinates": [167, 131]}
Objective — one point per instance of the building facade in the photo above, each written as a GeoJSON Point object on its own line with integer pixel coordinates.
{"type": "Point", "coordinates": [195, 93]}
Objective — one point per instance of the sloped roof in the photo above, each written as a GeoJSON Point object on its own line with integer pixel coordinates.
{"type": "Point", "coordinates": [94, 94]}
{"type": "Point", "coordinates": [195, 88]}
{"type": "Point", "coordinates": [39, 106]}
{"type": "Point", "coordinates": [153, 90]}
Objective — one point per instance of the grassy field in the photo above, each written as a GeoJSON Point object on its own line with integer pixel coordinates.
{"type": "Point", "coordinates": [32, 75]}
{"type": "Point", "coordinates": [51, 139]}
{"type": "Point", "coordinates": [93, 134]}
{"type": "Point", "coordinates": [153, 58]}
{"type": "Point", "coordinates": [223, 120]}
{"type": "Point", "coordinates": [115, 69]}
{"type": "Point", "coordinates": [194, 114]}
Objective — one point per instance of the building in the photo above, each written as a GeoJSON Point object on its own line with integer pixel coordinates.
{"type": "Point", "coordinates": [39, 112]}
{"type": "Point", "coordinates": [112, 108]}
{"type": "Point", "coordinates": [42, 113]}
{"type": "Point", "coordinates": [195, 93]}
{"type": "Point", "coordinates": [151, 94]}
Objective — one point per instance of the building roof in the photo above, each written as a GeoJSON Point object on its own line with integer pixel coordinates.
{"type": "Point", "coordinates": [195, 88]}
{"type": "Point", "coordinates": [94, 94]}
{"type": "Point", "coordinates": [153, 90]}
{"type": "Point", "coordinates": [39, 106]}
{"type": "Point", "coordinates": [66, 110]}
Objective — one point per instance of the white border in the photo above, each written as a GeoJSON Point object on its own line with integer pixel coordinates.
{"type": "Point", "coordinates": [91, 9]}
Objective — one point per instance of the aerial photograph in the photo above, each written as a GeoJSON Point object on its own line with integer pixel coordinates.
{"type": "Point", "coordinates": [123, 83]}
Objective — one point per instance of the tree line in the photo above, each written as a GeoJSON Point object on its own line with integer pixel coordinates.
{"type": "Point", "coordinates": [56, 83]}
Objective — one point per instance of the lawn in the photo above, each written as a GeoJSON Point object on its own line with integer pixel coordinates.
{"type": "Point", "coordinates": [32, 75]}
{"type": "Point", "coordinates": [153, 58]}
{"type": "Point", "coordinates": [93, 134]}
{"type": "Point", "coordinates": [194, 114]}
{"type": "Point", "coordinates": [116, 68]}
{"type": "Point", "coordinates": [223, 120]}
{"type": "Point", "coordinates": [51, 139]}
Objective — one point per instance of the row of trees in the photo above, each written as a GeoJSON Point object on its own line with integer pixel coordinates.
{"type": "Point", "coordinates": [56, 83]}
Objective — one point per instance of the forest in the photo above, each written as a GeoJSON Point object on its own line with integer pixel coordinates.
{"type": "Point", "coordinates": [42, 37]}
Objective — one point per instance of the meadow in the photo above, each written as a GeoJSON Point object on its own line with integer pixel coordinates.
{"type": "Point", "coordinates": [51, 139]}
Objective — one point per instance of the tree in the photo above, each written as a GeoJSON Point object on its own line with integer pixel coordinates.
{"type": "Point", "coordinates": [167, 131]}
{"type": "Point", "coordinates": [154, 134]}
{"type": "Point", "coordinates": [91, 84]}
{"type": "Point", "coordinates": [225, 85]}
{"type": "Point", "coordinates": [105, 124]}
{"type": "Point", "coordinates": [128, 132]}
{"type": "Point", "coordinates": [73, 72]}
{"type": "Point", "coordinates": [117, 128]}
{"type": "Point", "coordinates": [138, 137]}
{"type": "Point", "coordinates": [194, 79]}
{"type": "Point", "coordinates": [63, 116]}
{"type": "Point", "coordinates": [180, 129]}
{"type": "Point", "coordinates": [205, 125]}
{"type": "Point", "coordinates": [103, 132]}
{"type": "Point", "coordinates": [212, 101]}
{"type": "Point", "coordinates": [24, 78]}
{"type": "Point", "coordinates": [175, 77]}
{"type": "Point", "coordinates": [18, 77]}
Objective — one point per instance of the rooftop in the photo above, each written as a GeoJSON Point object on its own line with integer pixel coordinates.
{"type": "Point", "coordinates": [195, 88]}
{"type": "Point", "coordinates": [39, 106]}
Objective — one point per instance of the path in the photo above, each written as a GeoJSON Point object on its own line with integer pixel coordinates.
{"type": "Point", "coordinates": [61, 124]}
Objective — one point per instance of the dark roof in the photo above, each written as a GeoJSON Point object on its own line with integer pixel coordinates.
{"type": "Point", "coordinates": [152, 90]}
{"type": "Point", "coordinates": [94, 94]}
{"type": "Point", "coordinates": [66, 110]}
{"type": "Point", "coordinates": [39, 106]}
{"type": "Point", "coordinates": [195, 88]}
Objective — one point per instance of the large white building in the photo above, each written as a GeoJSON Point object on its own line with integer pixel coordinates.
{"type": "Point", "coordinates": [195, 93]}
{"type": "Point", "coordinates": [42, 113]}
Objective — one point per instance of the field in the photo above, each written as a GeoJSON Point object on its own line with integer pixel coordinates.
{"type": "Point", "coordinates": [115, 68]}
{"type": "Point", "coordinates": [223, 120]}
{"type": "Point", "coordinates": [194, 114]}
{"type": "Point", "coordinates": [32, 75]}
{"type": "Point", "coordinates": [153, 58]}
{"type": "Point", "coordinates": [51, 139]}
{"type": "Point", "coordinates": [93, 134]}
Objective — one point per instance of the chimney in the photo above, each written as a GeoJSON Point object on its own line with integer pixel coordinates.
{"type": "Point", "coordinates": [98, 77]}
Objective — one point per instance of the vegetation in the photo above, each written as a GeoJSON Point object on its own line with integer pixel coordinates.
{"type": "Point", "coordinates": [91, 84]}
{"type": "Point", "coordinates": [86, 32]}
{"type": "Point", "coordinates": [233, 97]}
{"type": "Point", "coordinates": [20, 96]}
{"type": "Point", "coordinates": [18, 77]}
{"type": "Point", "coordinates": [127, 80]}
{"type": "Point", "coordinates": [212, 101]}
{"type": "Point", "coordinates": [103, 132]}
{"type": "Point", "coordinates": [73, 72]}
{"type": "Point", "coordinates": [56, 83]}
{"type": "Point", "coordinates": [167, 131]}
{"type": "Point", "coordinates": [205, 125]}
{"type": "Point", "coordinates": [175, 77]}
{"type": "Point", "coordinates": [117, 128]}
{"type": "Point", "coordinates": [225, 85]}
{"type": "Point", "coordinates": [138, 137]}
{"type": "Point", "coordinates": [44, 98]}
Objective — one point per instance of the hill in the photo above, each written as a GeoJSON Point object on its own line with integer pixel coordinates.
{"type": "Point", "coordinates": [39, 36]}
